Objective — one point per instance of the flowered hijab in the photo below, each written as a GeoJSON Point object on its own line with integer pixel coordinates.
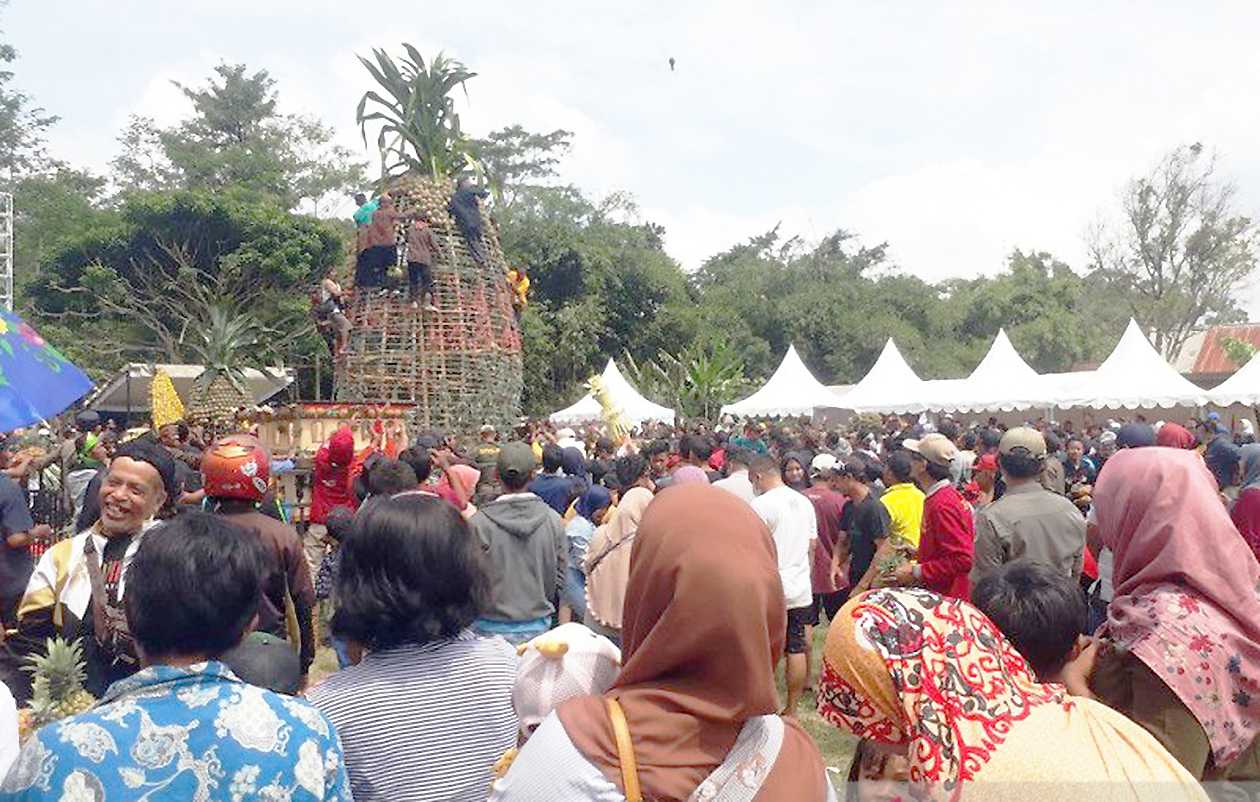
{"type": "Point", "coordinates": [916, 668]}
{"type": "Point", "coordinates": [1186, 600]}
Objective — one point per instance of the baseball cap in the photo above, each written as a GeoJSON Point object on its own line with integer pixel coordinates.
{"type": "Point", "coordinates": [822, 463]}
{"type": "Point", "coordinates": [1024, 442]}
{"type": "Point", "coordinates": [935, 448]}
{"type": "Point", "coordinates": [264, 660]}
{"type": "Point", "coordinates": [986, 462]}
{"type": "Point", "coordinates": [516, 462]}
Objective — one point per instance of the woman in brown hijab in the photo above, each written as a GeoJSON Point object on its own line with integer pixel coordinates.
{"type": "Point", "coordinates": [703, 626]}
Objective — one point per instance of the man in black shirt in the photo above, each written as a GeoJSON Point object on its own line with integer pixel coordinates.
{"type": "Point", "coordinates": [864, 520]}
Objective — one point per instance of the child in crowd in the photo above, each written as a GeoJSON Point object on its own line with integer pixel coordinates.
{"type": "Point", "coordinates": [340, 519]}
{"type": "Point", "coordinates": [567, 662]}
{"type": "Point", "coordinates": [877, 775]}
{"type": "Point", "coordinates": [1041, 611]}
{"type": "Point", "coordinates": [589, 513]}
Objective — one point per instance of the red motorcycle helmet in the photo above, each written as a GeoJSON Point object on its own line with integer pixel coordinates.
{"type": "Point", "coordinates": [236, 467]}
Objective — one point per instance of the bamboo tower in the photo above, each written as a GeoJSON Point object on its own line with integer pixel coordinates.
{"type": "Point", "coordinates": [460, 366]}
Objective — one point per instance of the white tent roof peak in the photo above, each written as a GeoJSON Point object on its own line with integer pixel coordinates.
{"type": "Point", "coordinates": [792, 390]}
{"type": "Point", "coordinates": [633, 405]}
{"type": "Point", "coordinates": [1002, 362]}
{"type": "Point", "coordinates": [891, 385]}
{"type": "Point", "coordinates": [1135, 375]}
{"type": "Point", "coordinates": [1241, 388]}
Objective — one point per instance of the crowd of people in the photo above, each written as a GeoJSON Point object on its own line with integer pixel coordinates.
{"type": "Point", "coordinates": [1011, 612]}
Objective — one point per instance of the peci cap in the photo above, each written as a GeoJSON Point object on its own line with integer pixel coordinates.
{"type": "Point", "coordinates": [1023, 442]}
{"type": "Point", "coordinates": [821, 464]}
{"type": "Point", "coordinates": [935, 448]}
{"type": "Point", "coordinates": [516, 462]}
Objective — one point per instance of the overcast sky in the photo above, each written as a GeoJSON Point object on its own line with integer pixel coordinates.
{"type": "Point", "coordinates": [953, 131]}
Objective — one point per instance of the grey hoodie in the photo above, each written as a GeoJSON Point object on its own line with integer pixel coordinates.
{"type": "Point", "coordinates": [525, 545]}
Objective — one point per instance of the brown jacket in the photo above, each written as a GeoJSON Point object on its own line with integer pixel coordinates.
{"type": "Point", "coordinates": [287, 573]}
{"type": "Point", "coordinates": [420, 243]}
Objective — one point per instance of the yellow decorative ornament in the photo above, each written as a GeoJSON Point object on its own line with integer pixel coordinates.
{"type": "Point", "coordinates": [618, 426]}
{"type": "Point", "coordinates": [165, 404]}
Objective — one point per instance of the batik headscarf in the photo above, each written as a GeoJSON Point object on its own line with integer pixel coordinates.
{"type": "Point", "coordinates": [1186, 601]}
{"type": "Point", "coordinates": [910, 667]}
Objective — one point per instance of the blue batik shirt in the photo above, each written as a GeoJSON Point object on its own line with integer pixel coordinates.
{"type": "Point", "coordinates": [196, 734]}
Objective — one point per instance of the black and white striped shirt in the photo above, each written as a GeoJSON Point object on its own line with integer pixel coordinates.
{"type": "Point", "coordinates": [424, 723]}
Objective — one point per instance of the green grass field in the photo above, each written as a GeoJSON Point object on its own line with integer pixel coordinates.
{"type": "Point", "coordinates": [836, 746]}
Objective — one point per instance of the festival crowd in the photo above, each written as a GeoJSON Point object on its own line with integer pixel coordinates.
{"type": "Point", "coordinates": [1028, 612]}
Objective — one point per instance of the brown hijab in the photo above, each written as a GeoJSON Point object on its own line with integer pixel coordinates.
{"type": "Point", "coordinates": [703, 626]}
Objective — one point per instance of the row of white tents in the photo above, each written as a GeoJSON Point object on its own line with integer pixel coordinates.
{"type": "Point", "coordinates": [1134, 376]}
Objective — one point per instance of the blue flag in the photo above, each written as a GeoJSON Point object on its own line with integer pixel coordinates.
{"type": "Point", "coordinates": [36, 381]}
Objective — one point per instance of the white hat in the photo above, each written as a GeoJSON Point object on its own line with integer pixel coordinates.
{"type": "Point", "coordinates": [822, 463]}
{"type": "Point", "coordinates": [561, 664]}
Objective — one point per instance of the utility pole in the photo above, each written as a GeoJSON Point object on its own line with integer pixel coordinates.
{"type": "Point", "coordinates": [6, 250]}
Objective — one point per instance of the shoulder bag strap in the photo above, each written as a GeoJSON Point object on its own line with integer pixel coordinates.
{"type": "Point", "coordinates": [625, 752]}
{"type": "Point", "coordinates": [609, 549]}
{"type": "Point", "coordinates": [100, 624]}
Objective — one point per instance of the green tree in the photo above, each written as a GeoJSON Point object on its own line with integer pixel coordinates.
{"type": "Point", "coordinates": [515, 159]}
{"type": "Point", "coordinates": [22, 123]}
{"type": "Point", "coordinates": [48, 208]}
{"type": "Point", "coordinates": [419, 129]}
{"type": "Point", "coordinates": [1181, 249]}
{"type": "Point", "coordinates": [237, 141]}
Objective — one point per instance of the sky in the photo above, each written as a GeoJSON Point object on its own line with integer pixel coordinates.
{"type": "Point", "coordinates": [955, 132]}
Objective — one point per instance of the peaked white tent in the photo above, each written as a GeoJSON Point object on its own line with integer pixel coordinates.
{"type": "Point", "coordinates": [1133, 376]}
{"type": "Point", "coordinates": [891, 385]}
{"type": "Point", "coordinates": [1002, 381]}
{"type": "Point", "coordinates": [634, 406]}
{"type": "Point", "coordinates": [1241, 388]}
{"type": "Point", "coordinates": [792, 390]}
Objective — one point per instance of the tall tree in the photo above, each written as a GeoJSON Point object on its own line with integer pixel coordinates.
{"type": "Point", "coordinates": [515, 159]}
{"type": "Point", "coordinates": [49, 208]}
{"type": "Point", "coordinates": [237, 140]}
{"type": "Point", "coordinates": [22, 123]}
{"type": "Point", "coordinates": [1181, 249]}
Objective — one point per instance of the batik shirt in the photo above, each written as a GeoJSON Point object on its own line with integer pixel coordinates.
{"type": "Point", "coordinates": [196, 734]}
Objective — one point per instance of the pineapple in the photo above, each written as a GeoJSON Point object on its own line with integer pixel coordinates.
{"type": "Point", "coordinates": [57, 689]}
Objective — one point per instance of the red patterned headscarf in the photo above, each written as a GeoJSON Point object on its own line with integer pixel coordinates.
{"type": "Point", "coordinates": [916, 668]}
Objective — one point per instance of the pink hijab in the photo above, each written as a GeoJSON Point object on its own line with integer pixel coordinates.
{"type": "Point", "coordinates": [1186, 600]}
{"type": "Point", "coordinates": [689, 475]}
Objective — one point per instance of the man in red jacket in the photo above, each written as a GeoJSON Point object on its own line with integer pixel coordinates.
{"type": "Point", "coordinates": [946, 547]}
{"type": "Point", "coordinates": [330, 487]}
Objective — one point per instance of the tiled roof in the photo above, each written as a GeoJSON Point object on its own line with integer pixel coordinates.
{"type": "Point", "coordinates": [1212, 357]}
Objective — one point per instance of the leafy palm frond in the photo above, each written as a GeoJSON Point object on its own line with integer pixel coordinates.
{"type": "Point", "coordinates": [419, 127]}
{"type": "Point", "coordinates": [228, 343]}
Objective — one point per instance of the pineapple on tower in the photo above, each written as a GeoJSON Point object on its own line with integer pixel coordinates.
{"type": "Point", "coordinates": [458, 357]}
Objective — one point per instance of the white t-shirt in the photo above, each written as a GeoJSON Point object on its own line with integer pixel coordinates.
{"type": "Point", "coordinates": [791, 520]}
{"type": "Point", "coordinates": [738, 484]}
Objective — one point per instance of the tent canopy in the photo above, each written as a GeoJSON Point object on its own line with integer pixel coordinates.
{"type": "Point", "coordinates": [891, 385]}
{"type": "Point", "coordinates": [792, 390]}
{"type": "Point", "coordinates": [128, 390]}
{"type": "Point", "coordinates": [1133, 376]}
{"type": "Point", "coordinates": [1241, 388]}
{"type": "Point", "coordinates": [1002, 381]}
{"type": "Point", "coordinates": [633, 405]}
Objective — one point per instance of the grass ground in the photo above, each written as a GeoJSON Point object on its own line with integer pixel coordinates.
{"type": "Point", "coordinates": [836, 746]}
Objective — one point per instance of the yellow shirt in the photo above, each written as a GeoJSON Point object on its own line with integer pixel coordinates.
{"type": "Point", "coordinates": [904, 503]}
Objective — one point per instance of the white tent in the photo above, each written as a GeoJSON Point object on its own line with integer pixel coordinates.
{"type": "Point", "coordinates": [1241, 388]}
{"type": "Point", "coordinates": [1002, 381]}
{"type": "Point", "coordinates": [634, 406]}
{"type": "Point", "coordinates": [1133, 376]}
{"type": "Point", "coordinates": [128, 390]}
{"type": "Point", "coordinates": [890, 385]}
{"type": "Point", "coordinates": [792, 390]}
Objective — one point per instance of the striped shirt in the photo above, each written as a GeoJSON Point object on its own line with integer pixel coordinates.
{"type": "Point", "coordinates": [421, 723]}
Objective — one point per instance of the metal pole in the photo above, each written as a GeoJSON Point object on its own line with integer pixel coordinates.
{"type": "Point", "coordinates": [6, 250]}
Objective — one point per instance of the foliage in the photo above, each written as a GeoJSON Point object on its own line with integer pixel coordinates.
{"type": "Point", "coordinates": [136, 285]}
{"type": "Point", "coordinates": [1239, 351]}
{"type": "Point", "coordinates": [515, 159]}
{"type": "Point", "coordinates": [695, 382]}
{"type": "Point", "coordinates": [1181, 248]}
{"type": "Point", "coordinates": [227, 341]}
{"type": "Point", "coordinates": [22, 124]}
{"type": "Point", "coordinates": [419, 129]}
{"type": "Point", "coordinates": [237, 140]}
{"type": "Point", "coordinates": [49, 207]}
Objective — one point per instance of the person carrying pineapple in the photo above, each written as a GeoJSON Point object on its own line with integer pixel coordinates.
{"type": "Point", "coordinates": [78, 586]}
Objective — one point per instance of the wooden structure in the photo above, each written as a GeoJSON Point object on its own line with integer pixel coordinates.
{"type": "Point", "coordinates": [459, 366]}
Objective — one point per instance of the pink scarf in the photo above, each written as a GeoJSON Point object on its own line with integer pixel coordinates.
{"type": "Point", "coordinates": [1186, 600]}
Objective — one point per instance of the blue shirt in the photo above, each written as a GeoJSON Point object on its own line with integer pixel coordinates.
{"type": "Point", "coordinates": [184, 733]}
{"type": "Point", "coordinates": [363, 215]}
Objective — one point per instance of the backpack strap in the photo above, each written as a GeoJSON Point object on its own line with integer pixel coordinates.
{"type": "Point", "coordinates": [625, 752]}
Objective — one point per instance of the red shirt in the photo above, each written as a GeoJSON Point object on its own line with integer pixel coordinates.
{"type": "Point", "coordinates": [828, 507]}
{"type": "Point", "coordinates": [1246, 516]}
{"type": "Point", "coordinates": [330, 483]}
{"type": "Point", "coordinates": [947, 545]}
